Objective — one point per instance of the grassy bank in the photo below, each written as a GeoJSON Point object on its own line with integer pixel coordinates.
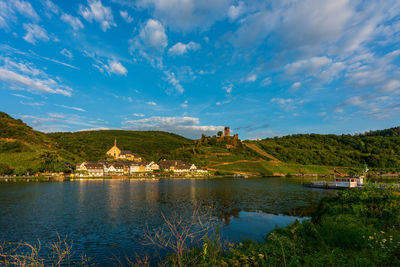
{"type": "Point", "coordinates": [357, 228]}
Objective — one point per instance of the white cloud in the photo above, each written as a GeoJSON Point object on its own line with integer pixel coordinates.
{"type": "Point", "coordinates": [74, 22]}
{"type": "Point", "coordinates": [56, 123]}
{"type": "Point", "coordinates": [69, 107]}
{"type": "Point", "coordinates": [26, 68]}
{"type": "Point", "coordinates": [295, 24]}
{"type": "Point", "coordinates": [138, 114]}
{"type": "Point", "coordinates": [187, 126]}
{"type": "Point", "coordinates": [391, 86]}
{"type": "Point", "coordinates": [22, 96]}
{"type": "Point", "coordinates": [187, 15]}
{"type": "Point", "coordinates": [32, 104]}
{"type": "Point", "coordinates": [220, 103]}
{"type": "Point", "coordinates": [151, 103]}
{"type": "Point", "coordinates": [266, 81]}
{"type": "Point", "coordinates": [251, 78]}
{"type": "Point", "coordinates": [236, 11]}
{"type": "Point", "coordinates": [309, 66]}
{"type": "Point", "coordinates": [99, 13]}
{"type": "Point", "coordinates": [9, 10]}
{"type": "Point", "coordinates": [34, 33]}
{"type": "Point", "coordinates": [50, 6]}
{"type": "Point", "coordinates": [171, 79]}
{"type": "Point", "coordinates": [180, 48]}
{"type": "Point", "coordinates": [295, 86]}
{"type": "Point", "coordinates": [112, 65]}
{"type": "Point", "coordinates": [116, 68]}
{"type": "Point", "coordinates": [57, 115]}
{"type": "Point", "coordinates": [25, 9]}
{"type": "Point", "coordinates": [287, 104]}
{"type": "Point", "coordinates": [94, 129]}
{"type": "Point", "coordinates": [20, 76]}
{"type": "Point", "coordinates": [185, 104]}
{"type": "Point", "coordinates": [228, 88]}
{"type": "Point", "coordinates": [153, 35]}
{"type": "Point", "coordinates": [66, 53]}
{"type": "Point", "coordinates": [125, 16]}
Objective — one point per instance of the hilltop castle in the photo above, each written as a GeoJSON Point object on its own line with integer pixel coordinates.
{"type": "Point", "coordinates": [117, 153]}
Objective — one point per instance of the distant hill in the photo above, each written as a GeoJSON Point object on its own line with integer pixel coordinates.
{"type": "Point", "coordinates": [376, 150]}
{"type": "Point", "coordinates": [93, 145]}
{"type": "Point", "coordinates": [16, 136]}
{"type": "Point", "coordinates": [23, 149]}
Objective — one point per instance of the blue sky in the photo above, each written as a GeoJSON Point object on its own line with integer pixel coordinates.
{"type": "Point", "coordinates": [264, 68]}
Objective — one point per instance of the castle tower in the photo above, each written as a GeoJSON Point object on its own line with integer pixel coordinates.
{"type": "Point", "coordinates": [115, 141]}
{"type": "Point", "coordinates": [226, 131]}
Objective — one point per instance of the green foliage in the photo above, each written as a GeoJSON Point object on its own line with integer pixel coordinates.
{"type": "Point", "coordinates": [5, 169]}
{"type": "Point", "coordinates": [357, 228]}
{"type": "Point", "coordinates": [13, 147]}
{"type": "Point", "coordinates": [93, 145]}
{"type": "Point", "coordinates": [51, 162]}
{"type": "Point", "coordinates": [335, 150]}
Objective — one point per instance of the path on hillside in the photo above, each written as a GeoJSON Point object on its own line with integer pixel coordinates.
{"type": "Point", "coordinates": [233, 162]}
{"type": "Point", "coordinates": [263, 153]}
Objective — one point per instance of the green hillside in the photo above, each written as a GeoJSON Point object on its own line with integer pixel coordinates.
{"type": "Point", "coordinates": [23, 149]}
{"type": "Point", "coordinates": [378, 152]}
{"type": "Point", "coordinates": [93, 145]}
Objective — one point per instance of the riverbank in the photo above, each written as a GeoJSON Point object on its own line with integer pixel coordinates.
{"type": "Point", "coordinates": [94, 178]}
{"type": "Point", "coordinates": [356, 228]}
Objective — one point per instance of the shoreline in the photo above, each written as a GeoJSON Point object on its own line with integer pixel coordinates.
{"type": "Point", "coordinates": [374, 178]}
{"type": "Point", "coordinates": [140, 178]}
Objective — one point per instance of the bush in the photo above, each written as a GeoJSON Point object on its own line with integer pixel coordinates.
{"type": "Point", "coordinates": [5, 169]}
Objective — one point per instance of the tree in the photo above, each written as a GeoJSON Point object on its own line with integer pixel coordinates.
{"type": "Point", "coordinates": [219, 133]}
{"type": "Point", "coordinates": [51, 162]}
{"type": "Point", "coordinates": [5, 169]}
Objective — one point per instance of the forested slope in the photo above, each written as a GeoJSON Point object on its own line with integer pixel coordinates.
{"type": "Point", "coordinates": [336, 150]}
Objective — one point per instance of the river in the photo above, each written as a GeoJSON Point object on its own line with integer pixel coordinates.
{"type": "Point", "coordinates": [106, 219]}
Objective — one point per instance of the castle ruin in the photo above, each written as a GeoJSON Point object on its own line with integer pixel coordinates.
{"type": "Point", "coordinates": [227, 131]}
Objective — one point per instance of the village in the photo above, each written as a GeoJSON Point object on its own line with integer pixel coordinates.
{"type": "Point", "coordinates": [125, 163]}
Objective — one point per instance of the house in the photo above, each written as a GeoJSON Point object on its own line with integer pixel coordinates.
{"type": "Point", "coordinates": [95, 169]}
{"type": "Point", "coordinates": [200, 172]}
{"type": "Point", "coordinates": [134, 168]}
{"type": "Point", "coordinates": [109, 168]}
{"type": "Point", "coordinates": [169, 165]}
{"type": "Point", "coordinates": [152, 166]}
{"type": "Point", "coordinates": [126, 154]}
{"type": "Point", "coordinates": [81, 166]}
{"type": "Point", "coordinates": [119, 168]}
{"type": "Point", "coordinates": [178, 166]}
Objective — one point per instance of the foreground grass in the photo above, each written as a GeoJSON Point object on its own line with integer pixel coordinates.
{"type": "Point", "coordinates": [358, 228]}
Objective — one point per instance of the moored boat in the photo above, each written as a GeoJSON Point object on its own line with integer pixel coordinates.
{"type": "Point", "coordinates": [341, 182]}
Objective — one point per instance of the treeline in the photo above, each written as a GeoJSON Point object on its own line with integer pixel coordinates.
{"type": "Point", "coordinates": [335, 150]}
{"type": "Point", "coordinates": [387, 132]}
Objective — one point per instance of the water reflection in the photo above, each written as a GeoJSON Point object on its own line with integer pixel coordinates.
{"type": "Point", "coordinates": [107, 218]}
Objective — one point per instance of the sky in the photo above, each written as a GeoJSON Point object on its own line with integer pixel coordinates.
{"type": "Point", "coordinates": [264, 68]}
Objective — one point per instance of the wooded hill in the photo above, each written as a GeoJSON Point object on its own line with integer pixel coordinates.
{"type": "Point", "coordinates": [373, 149]}
{"type": "Point", "coordinates": [23, 149]}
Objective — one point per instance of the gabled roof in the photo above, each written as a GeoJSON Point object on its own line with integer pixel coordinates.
{"type": "Point", "coordinates": [94, 166]}
{"type": "Point", "coordinates": [126, 152]}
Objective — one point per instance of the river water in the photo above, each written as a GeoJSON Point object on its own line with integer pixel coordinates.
{"type": "Point", "coordinates": [107, 219]}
